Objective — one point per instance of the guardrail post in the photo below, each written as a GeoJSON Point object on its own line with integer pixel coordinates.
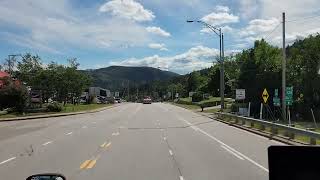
{"type": "Point", "coordinates": [251, 124]}
{"type": "Point", "coordinates": [243, 122]}
{"type": "Point", "coordinates": [236, 120]}
{"type": "Point", "coordinates": [313, 141]}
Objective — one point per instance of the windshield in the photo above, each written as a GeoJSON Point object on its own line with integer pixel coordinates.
{"type": "Point", "coordinates": [156, 89]}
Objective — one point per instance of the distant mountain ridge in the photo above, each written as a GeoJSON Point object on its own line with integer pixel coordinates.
{"type": "Point", "coordinates": [118, 77]}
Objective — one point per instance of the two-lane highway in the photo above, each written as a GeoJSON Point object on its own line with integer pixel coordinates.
{"type": "Point", "coordinates": [132, 141]}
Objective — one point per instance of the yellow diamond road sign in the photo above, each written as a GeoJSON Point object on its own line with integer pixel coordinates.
{"type": "Point", "coordinates": [265, 95]}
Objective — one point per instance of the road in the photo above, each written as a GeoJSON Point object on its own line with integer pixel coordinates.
{"type": "Point", "coordinates": [132, 141]}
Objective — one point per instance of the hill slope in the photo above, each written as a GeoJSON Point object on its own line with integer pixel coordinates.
{"type": "Point", "coordinates": [117, 77]}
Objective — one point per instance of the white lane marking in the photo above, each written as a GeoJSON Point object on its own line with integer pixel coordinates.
{"type": "Point", "coordinates": [181, 177]}
{"type": "Point", "coordinates": [5, 161]}
{"type": "Point", "coordinates": [222, 143]}
{"type": "Point", "coordinates": [230, 151]}
{"type": "Point", "coordinates": [170, 152]}
{"type": "Point", "coordinates": [69, 133]}
{"type": "Point", "coordinates": [115, 134]}
{"type": "Point", "coordinates": [83, 127]}
{"type": "Point", "coordinates": [94, 122]}
{"type": "Point", "coordinates": [49, 142]}
{"type": "Point", "coordinates": [165, 138]}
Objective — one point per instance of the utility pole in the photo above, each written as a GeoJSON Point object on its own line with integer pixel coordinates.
{"type": "Point", "coordinates": [222, 73]}
{"type": "Point", "coordinates": [284, 67]}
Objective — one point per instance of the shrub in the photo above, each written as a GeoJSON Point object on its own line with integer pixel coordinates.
{"type": "Point", "coordinates": [54, 107]}
{"type": "Point", "coordinates": [197, 97]}
{"type": "Point", "coordinates": [13, 96]}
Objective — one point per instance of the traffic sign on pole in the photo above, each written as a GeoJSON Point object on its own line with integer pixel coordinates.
{"type": "Point", "coordinates": [265, 96]}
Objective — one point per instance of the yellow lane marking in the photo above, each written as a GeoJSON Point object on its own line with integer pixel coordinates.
{"type": "Point", "coordinates": [102, 145]}
{"type": "Point", "coordinates": [84, 164]}
{"type": "Point", "coordinates": [91, 164]}
{"type": "Point", "coordinates": [109, 144]}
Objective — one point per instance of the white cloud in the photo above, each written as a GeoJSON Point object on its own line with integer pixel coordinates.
{"type": "Point", "coordinates": [248, 8]}
{"type": "Point", "coordinates": [268, 14]}
{"type": "Point", "coordinates": [259, 27]}
{"type": "Point", "coordinates": [158, 31]}
{"type": "Point", "coordinates": [161, 47]}
{"type": "Point", "coordinates": [128, 9]}
{"type": "Point", "coordinates": [220, 17]}
{"type": "Point", "coordinates": [222, 8]}
{"type": "Point", "coordinates": [225, 29]}
{"type": "Point", "coordinates": [50, 25]}
{"type": "Point", "coordinates": [196, 58]}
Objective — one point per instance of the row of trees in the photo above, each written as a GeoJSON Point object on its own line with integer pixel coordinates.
{"type": "Point", "coordinates": [257, 68]}
{"type": "Point", "coordinates": [54, 81]}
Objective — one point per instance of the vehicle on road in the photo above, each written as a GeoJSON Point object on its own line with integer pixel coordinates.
{"type": "Point", "coordinates": [147, 100]}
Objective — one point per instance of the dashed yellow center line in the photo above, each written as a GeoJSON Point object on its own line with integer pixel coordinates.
{"type": "Point", "coordinates": [102, 145]}
{"type": "Point", "coordinates": [107, 145]}
{"type": "Point", "coordinates": [85, 164]}
{"type": "Point", "coordinates": [91, 164]}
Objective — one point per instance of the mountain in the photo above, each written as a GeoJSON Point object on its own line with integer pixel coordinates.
{"type": "Point", "coordinates": [117, 77]}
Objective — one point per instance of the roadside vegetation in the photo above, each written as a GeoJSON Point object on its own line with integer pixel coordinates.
{"type": "Point", "coordinates": [37, 88]}
{"type": "Point", "coordinates": [254, 69]}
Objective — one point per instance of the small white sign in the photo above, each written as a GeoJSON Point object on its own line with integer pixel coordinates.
{"type": "Point", "coordinates": [116, 94]}
{"type": "Point", "coordinates": [240, 94]}
{"type": "Point", "coordinates": [191, 94]}
{"type": "Point", "coordinates": [177, 95]}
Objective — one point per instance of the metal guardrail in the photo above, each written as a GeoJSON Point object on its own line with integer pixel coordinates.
{"type": "Point", "coordinates": [290, 131]}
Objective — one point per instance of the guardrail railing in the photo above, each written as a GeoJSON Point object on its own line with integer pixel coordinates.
{"type": "Point", "coordinates": [274, 128]}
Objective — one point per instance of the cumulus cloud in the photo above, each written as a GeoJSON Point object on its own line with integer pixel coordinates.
{"type": "Point", "coordinates": [51, 25]}
{"type": "Point", "coordinates": [158, 31]}
{"type": "Point", "coordinates": [220, 16]}
{"type": "Point", "coordinates": [161, 47]}
{"type": "Point", "coordinates": [196, 58]}
{"type": "Point", "coordinates": [259, 27]}
{"type": "Point", "coordinates": [128, 9]}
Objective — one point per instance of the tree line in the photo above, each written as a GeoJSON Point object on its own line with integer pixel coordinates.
{"type": "Point", "coordinates": [257, 68]}
{"type": "Point", "coordinates": [57, 82]}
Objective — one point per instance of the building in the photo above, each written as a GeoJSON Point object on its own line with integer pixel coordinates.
{"type": "Point", "coordinates": [97, 91]}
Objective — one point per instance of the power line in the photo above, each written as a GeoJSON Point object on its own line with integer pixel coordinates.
{"type": "Point", "coordinates": [305, 18]}
{"type": "Point", "coordinates": [266, 37]}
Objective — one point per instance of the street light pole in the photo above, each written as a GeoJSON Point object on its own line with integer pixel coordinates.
{"type": "Point", "coordinates": [218, 32]}
{"type": "Point", "coordinates": [222, 73]}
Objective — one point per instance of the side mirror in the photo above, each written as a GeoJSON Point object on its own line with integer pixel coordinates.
{"type": "Point", "coordinates": [49, 176]}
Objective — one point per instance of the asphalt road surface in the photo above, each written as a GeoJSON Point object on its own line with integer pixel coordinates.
{"type": "Point", "coordinates": [132, 142]}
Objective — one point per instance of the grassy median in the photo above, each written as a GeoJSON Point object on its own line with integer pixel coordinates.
{"type": "Point", "coordinates": [69, 108]}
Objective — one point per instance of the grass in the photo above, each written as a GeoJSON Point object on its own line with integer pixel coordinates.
{"type": "Point", "coordinates": [82, 107]}
{"type": "Point", "coordinates": [66, 109]}
{"type": "Point", "coordinates": [216, 110]}
{"type": "Point", "coordinates": [192, 107]}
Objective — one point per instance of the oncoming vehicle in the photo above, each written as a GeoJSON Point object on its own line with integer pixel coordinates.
{"type": "Point", "coordinates": [147, 100]}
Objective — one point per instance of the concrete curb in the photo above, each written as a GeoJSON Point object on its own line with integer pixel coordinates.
{"type": "Point", "coordinates": [260, 133]}
{"type": "Point", "coordinates": [55, 115]}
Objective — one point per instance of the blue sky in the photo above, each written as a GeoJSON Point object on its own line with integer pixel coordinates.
{"type": "Point", "coordinates": [152, 33]}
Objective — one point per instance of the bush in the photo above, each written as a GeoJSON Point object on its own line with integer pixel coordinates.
{"type": "Point", "coordinates": [13, 96]}
{"type": "Point", "coordinates": [197, 97]}
{"type": "Point", "coordinates": [55, 107]}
